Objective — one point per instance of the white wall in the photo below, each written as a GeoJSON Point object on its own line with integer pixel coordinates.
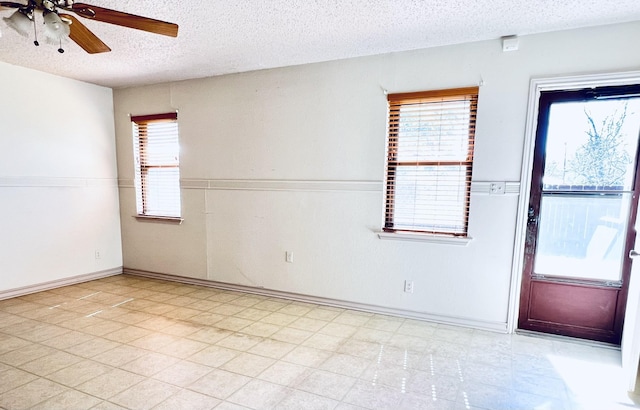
{"type": "Point", "coordinates": [293, 159]}
{"type": "Point", "coordinates": [58, 179]}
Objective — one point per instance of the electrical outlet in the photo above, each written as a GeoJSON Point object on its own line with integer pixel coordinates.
{"type": "Point", "coordinates": [98, 256]}
{"type": "Point", "coordinates": [408, 286]}
{"type": "Point", "coordinates": [288, 256]}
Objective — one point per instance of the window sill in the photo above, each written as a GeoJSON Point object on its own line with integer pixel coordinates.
{"type": "Point", "coordinates": [162, 219]}
{"type": "Point", "coordinates": [425, 237]}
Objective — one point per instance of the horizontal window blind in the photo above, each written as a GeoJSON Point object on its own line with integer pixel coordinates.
{"type": "Point", "coordinates": [157, 166]}
{"type": "Point", "coordinates": [429, 161]}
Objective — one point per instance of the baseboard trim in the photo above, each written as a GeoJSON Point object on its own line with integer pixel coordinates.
{"type": "Point", "coordinates": [409, 314]}
{"type": "Point", "coordinates": [73, 280]}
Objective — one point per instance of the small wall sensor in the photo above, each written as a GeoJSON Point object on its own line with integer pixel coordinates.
{"type": "Point", "coordinates": [510, 43]}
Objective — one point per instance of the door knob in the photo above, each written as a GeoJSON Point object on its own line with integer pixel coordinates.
{"type": "Point", "coordinates": [633, 253]}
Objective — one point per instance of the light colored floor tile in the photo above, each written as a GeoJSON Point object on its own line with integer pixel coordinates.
{"type": "Point", "coordinates": [144, 395]}
{"type": "Point", "coordinates": [12, 378]}
{"type": "Point", "coordinates": [259, 394]}
{"type": "Point", "coordinates": [492, 375]}
{"type": "Point", "coordinates": [92, 347]}
{"type": "Point", "coordinates": [370, 396]}
{"type": "Point", "coordinates": [322, 314]}
{"type": "Point", "coordinates": [44, 331]}
{"type": "Point", "coordinates": [79, 373]}
{"type": "Point", "coordinates": [25, 354]}
{"type": "Point", "coordinates": [424, 402]}
{"type": "Point", "coordinates": [394, 377]}
{"type": "Point", "coordinates": [156, 323]}
{"type": "Point", "coordinates": [436, 387]}
{"type": "Point", "coordinates": [261, 329]}
{"type": "Point", "coordinates": [127, 334]}
{"type": "Point", "coordinates": [297, 399]}
{"type": "Point", "coordinates": [352, 318]}
{"type": "Point", "coordinates": [307, 356]}
{"type": "Point", "coordinates": [187, 399]}
{"type": "Point", "coordinates": [294, 309]}
{"type": "Point", "coordinates": [271, 305]}
{"type": "Point", "coordinates": [286, 374]}
{"type": "Point", "coordinates": [119, 355]}
{"type": "Point", "coordinates": [291, 335]}
{"type": "Point", "coordinates": [338, 330]}
{"type": "Point", "coordinates": [182, 348]}
{"type": "Point", "coordinates": [204, 305]}
{"type": "Point", "coordinates": [361, 348]}
{"type": "Point", "coordinates": [9, 343]}
{"type": "Point", "coordinates": [214, 356]}
{"type": "Point", "coordinates": [225, 405]}
{"type": "Point", "coordinates": [279, 318]}
{"type": "Point", "coordinates": [252, 314]}
{"type": "Point", "coordinates": [30, 394]}
{"type": "Point", "coordinates": [387, 324]}
{"type": "Point", "coordinates": [210, 335]}
{"type": "Point", "coordinates": [272, 348]}
{"type": "Point", "coordinates": [246, 301]}
{"type": "Point", "coordinates": [154, 341]}
{"type": "Point", "coordinates": [220, 384]}
{"type": "Point", "coordinates": [53, 362]}
{"type": "Point", "coordinates": [233, 323]}
{"type": "Point", "coordinates": [324, 342]}
{"type": "Point", "coordinates": [228, 309]}
{"type": "Point", "coordinates": [163, 347]}
{"type": "Point", "coordinates": [372, 335]}
{"type": "Point", "coordinates": [70, 399]}
{"type": "Point", "coordinates": [67, 340]}
{"type": "Point", "coordinates": [240, 341]}
{"type": "Point", "coordinates": [310, 325]}
{"type": "Point", "coordinates": [345, 364]}
{"type": "Point", "coordinates": [326, 384]}
{"type": "Point", "coordinates": [182, 313]}
{"type": "Point", "coordinates": [207, 318]}
{"type": "Point", "coordinates": [248, 364]}
{"type": "Point", "coordinates": [150, 364]}
{"type": "Point", "coordinates": [109, 384]}
{"type": "Point", "coordinates": [102, 327]}
{"type": "Point", "coordinates": [182, 373]}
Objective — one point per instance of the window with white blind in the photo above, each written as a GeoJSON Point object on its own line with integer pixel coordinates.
{"type": "Point", "coordinates": [157, 165]}
{"type": "Point", "coordinates": [429, 161]}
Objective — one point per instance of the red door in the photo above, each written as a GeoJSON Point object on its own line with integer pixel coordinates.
{"type": "Point", "coordinates": [582, 210]}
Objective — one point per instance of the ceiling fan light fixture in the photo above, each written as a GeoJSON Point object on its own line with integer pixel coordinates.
{"type": "Point", "coordinates": [20, 22]}
{"type": "Point", "coordinates": [54, 28]}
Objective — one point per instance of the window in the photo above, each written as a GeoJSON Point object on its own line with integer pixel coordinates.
{"type": "Point", "coordinates": [429, 161]}
{"type": "Point", "coordinates": [156, 157]}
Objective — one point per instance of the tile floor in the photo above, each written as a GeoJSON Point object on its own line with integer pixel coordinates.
{"type": "Point", "coordinates": [137, 343]}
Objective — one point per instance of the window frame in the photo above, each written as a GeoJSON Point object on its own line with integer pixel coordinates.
{"type": "Point", "coordinates": [392, 163]}
{"type": "Point", "coordinates": [142, 168]}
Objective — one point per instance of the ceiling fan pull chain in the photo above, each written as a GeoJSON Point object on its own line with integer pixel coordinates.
{"type": "Point", "coordinates": [60, 50]}
{"type": "Point", "coordinates": [35, 31]}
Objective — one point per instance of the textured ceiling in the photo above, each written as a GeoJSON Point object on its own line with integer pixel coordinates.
{"type": "Point", "coordinates": [220, 37]}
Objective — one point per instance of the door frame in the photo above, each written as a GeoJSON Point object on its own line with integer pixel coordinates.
{"type": "Point", "coordinates": [536, 86]}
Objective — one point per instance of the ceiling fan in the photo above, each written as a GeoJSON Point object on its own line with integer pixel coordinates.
{"type": "Point", "coordinates": [59, 25]}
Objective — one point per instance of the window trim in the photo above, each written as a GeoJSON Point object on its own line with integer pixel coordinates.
{"type": "Point", "coordinates": [144, 168]}
{"type": "Point", "coordinates": [395, 102]}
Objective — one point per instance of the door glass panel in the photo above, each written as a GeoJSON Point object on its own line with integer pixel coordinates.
{"type": "Point", "coordinates": [582, 236]}
{"type": "Point", "coordinates": [591, 145]}
{"type": "Point", "coordinates": [588, 179]}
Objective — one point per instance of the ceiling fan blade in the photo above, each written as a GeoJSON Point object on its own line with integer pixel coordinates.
{"type": "Point", "coordinates": [10, 4]}
{"type": "Point", "coordinates": [84, 37]}
{"type": "Point", "coordinates": [124, 19]}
